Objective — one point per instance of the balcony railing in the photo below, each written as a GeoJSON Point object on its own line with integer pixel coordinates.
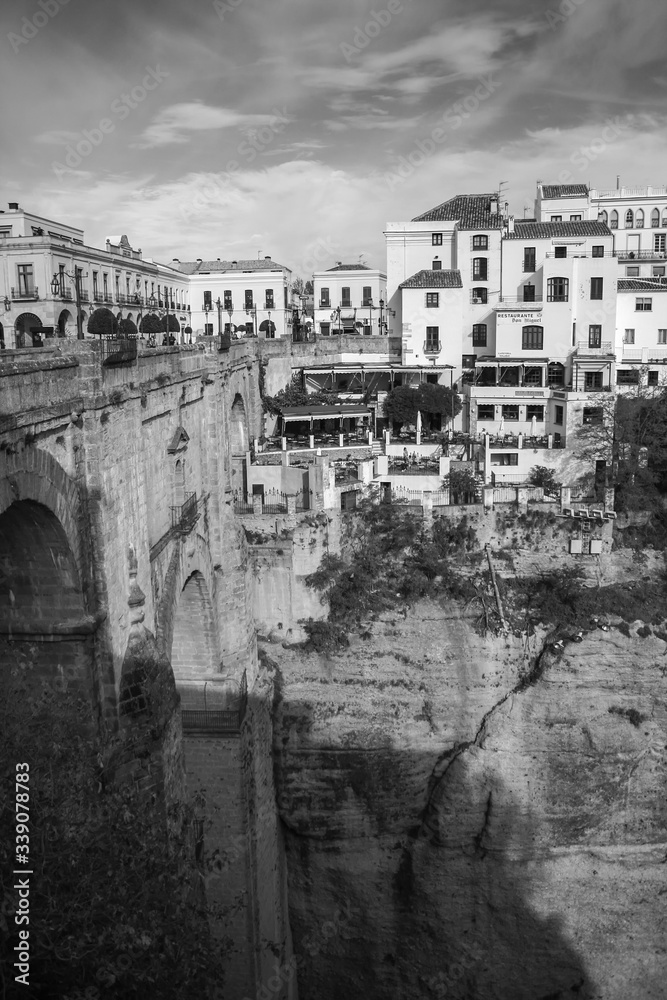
{"type": "Point", "coordinates": [215, 720]}
{"type": "Point", "coordinates": [513, 301]}
{"type": "Point", "coordinates": [107, 297]}
{"type": "Point", "coordinates": [118, 350]}
{"type": "Point", "coordinates": [25, 294]}
{"type": "Point", "coordinates": [183, 516]}
{"type": "Point", "coordinates": [432, 347]}
{"type": "Point", "coordinates": [604, 347]}
{"type": "Point", "coordinates": [65, 294]}
{"type": "Point", "coordinates": [84, 296]}
{"type": "Point", "coordinates": [642, 254]}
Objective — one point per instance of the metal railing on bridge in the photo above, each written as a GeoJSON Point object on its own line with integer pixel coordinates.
{"type": "Point", "coordinates": [118, 350]}
{"type": "Point", "coordinates": [183, 515]}
{"type": "Point", "coordinates": [217, 720]}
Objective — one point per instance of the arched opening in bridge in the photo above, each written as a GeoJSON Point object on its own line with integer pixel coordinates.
{"type": "Point", "coordinates": [239, 426]}
{"type": "Point", "coordinates": [195, 648]}
{"type": "Point", "coordinates": [27, 329]}
{"type": "Point", "coordinates": [64, 321]}
{"type": "Point", "coordinates": [42, 607]}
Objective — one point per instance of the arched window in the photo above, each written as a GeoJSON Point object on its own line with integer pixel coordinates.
{"type": "Point", "coordinates": [655, 218]}
{"type": "Point", "coordinates": [613, 220]}
{"type": "Point", "coordinates": [603, 217]}
{"type": "Point", "coordinates": [629, 219]}
{"type": "Point", "coordinates": [558, 290]}
{"type": "Point", "coordinates": [664, 218]}
{"type": "Point", "coordinates": [480, 295]}
{"type": "Point", "coordinates": [532, 338]}
{"type": "Point", "coordinates": [556, 373]}
{"type": "Point", "coordinates": [479, 335]}
{"type": "Point", "coordinates": [639, 219]}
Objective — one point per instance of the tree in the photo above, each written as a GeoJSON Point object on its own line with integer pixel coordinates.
{"type": "Point", "coordinates": [541, 475]}
{"type": "Point", "coordinates": [174, 325]}
{"type": "Point", "coordinates": [438, 399]}
{"type": "Point", "coordinates": [127, 328]}
{"type": "Point", "coordinates": [103, 323]}
{"type": "Point", "coordinates": [150, 324]}
{"type": "Point", "coordinates": [461, 484]}
{"type": "Point", "coordinates": [401, 405]}
{"type": "Point", "coordinates": [298, 286]}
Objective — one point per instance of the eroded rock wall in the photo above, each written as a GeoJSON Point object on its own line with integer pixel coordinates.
{"type": "Point", "coordinates": [466, 819]}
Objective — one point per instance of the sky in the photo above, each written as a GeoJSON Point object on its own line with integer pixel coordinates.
{"type": "Point", "coordinates": [299, 129]}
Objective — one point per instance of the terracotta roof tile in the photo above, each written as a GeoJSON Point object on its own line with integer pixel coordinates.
{"type": "Point", "coordinates": [433, 279]}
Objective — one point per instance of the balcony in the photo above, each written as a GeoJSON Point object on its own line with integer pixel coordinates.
{"type": "Point", "coordinates": [25, 294]}
{"type": "Point", "coordinates": [65, 294]}
{"type": "Point", "coordinates": [432, 347]}
{"type": "Point", "coordinates": [107, 297]}
{"type": "Point", "coordinates": [604, 347]}
{"type": "Point", "coordinates": [514, 302]}
{"type": "Point", "coordinates": [184, 515]}
{"type": "Point", "coordinates": [84, 296]}
{"type": "Point", "coordinates": [644, 354]}
{"type": "Point", "coordinates": [642, 255]}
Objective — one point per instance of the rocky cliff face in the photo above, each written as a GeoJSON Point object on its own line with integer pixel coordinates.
{"type": "Point", "coordinates": [471, 817]}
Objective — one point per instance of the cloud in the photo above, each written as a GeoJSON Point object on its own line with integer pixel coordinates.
{"type": "Point", "coordinates": [172, 124]}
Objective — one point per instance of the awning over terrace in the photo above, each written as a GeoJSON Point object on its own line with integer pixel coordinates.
{"type": "Point", "coordinates": [316, 412]}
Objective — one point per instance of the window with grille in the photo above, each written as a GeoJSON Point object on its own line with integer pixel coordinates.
{"type": "Point", "coordinates": [613, 220]}
{"type": "Point", "coordinates": [227, 299]}
{"type": "Point", "coordinates": [480, 268]}
{"type": "Point", "coordinates": [479, 335]}
{"type": "Point", "coordinates": [436, 239]}
{"type": "Point", "coordinates": [629, 336]}
{"type": "Point", "coordinates": [593, 380]}
{"type": "Point", "coordinates": [597, 285]}
{"type": "Point", "coordinates": [367, 296]}
{"type": "Point", "coordinates": [207, 299]}
{"type": "Point", "coordinates": [560, 252]}
{"type": "Point", "coordinates": [432, 300]}
{"type": "Point", "coordinates": [486, 411]}
{"type": "Point", "coordinates": [532, 376]}
{"type": "Point", "coordinates": [556, 373]}
{"type": "Point", "coordinates": [535, 411]}
{"type": "Point", "coordinates": [655, 218]}
{"type": "Point", "coordinates": [627, 376]}
{"type": "Point", "coordinates": [558, 290]}
{"type": "Point", "coordinates": [248, 298]}
{"type": "Point", "coordinates": [26, 279]}
{"type": "Point", "coordinates": [480, 242]}
{"type": "Point", "coordinates": [532, 338]}
{"type": "Point", "coordinates": [432, 338]}
{"type": "Point", "coordinates": [639, 219]}
{"type": "Point", "coordinates": [324, 297]}
{"type": "Point", "coordinates": [269, 299]}
{"type": "Point", "coordinates": [510, 412]}
{"type": "Point", "coordinates": [653, 378]}
{"type": "Point", "coordinates": [529, 258]}
{"type": "Point", "coordinates": [556, 218]}
{"type": "Point", "coordinates": [595, 335]}
{"type": "Point", "coordinates": [436, 265]}
{"type": "Point", "coordinates": [643, 305]}
{"type": "Point", "coordinates": [480, 296]}
{"type": "Point", "coordinates": [529, 293]}
{"type": "Point", "coordinates": [629, 219]}
{"type": "Point", "coordinates": [660, 240]}
{"type": "Point", "coordinates": [597, 251]}
{"type": "Point", "coordinates": [345, 299]}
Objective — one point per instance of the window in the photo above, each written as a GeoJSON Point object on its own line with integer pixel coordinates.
{"type": "Point", "coordinates": [556, 373]}
{"type": "Point", "coordinates": [558, 290]}
{"type": "Point", "coordinates": [643, 305]}
{"type": "Point", "coordinates": [480, 268]}
{"type": "Point", "coordinates": [436, 239]}
{"type": "Point", "coordinates": [432, 379]}
{"type": "Point", "coordinates": [480, 242]}
{"type": "Point", "coordinates": [269, 299]}
{"type": "Point", "coordinates": [208, 329]}
{"type": "Point", "coordinates": [325, 329]}
{"type": "Point", "coordinates": [432, 300]}
{"type": "Point", "coordinates": [556, 218]}
{"type": "Point", "coordinates": [480, 296]}
{"type": "Point", "coordinates": [629, 219]}
{"type": "Point", "coordinates": [639, 219]}
{"type": "Point", "coordinates": [596, 288]}
{"type": "Point", "coordinates": [627, 376]}
{"type": "Point", "coordinates": [560, 252]}
{"type": "Point", "coordinates": [486, 411]}
{"type": "Point", "coordinates": [345, 299]}
{"type": "Point", "coordinates": [535, 411]}
{"type": "Point", "coordinates": [613, 220]}
{"type": "Point", "coordinates": [510, 412]}
{"type": "Point", "coordinates": [575, 218]}
{"type": "Point", "coordinates": [653, 378]}
{"type": "Point", "coordinates": [207, 300]}
{"type": "Point", "coordinates": [468, 360]}
{"type": "Point", "coordinates": [532, 338]}
{"type": "Point", "coordinates": [95, 288]}
{"type": "Point", "coordinates": [662, 337]}
{"type": "Point", "coordinates": [658, 271]}
{"type": "Point", "coordinates": [592, 380]}
{"type": "Point", "coordinates": [558, 418]}
{"type": "Point", "coordinates": [247, 295]}
{"type": "Point", "coordinates": [26, 279]}
{"type": "Point", "coordinates": [660, 240]}
{"type": "Point", "coordinates": [603, 217]}
{"type": "Point", "coordinates": [432, 338]}
{"type": "Point", "coordinates": [105, 285]}
{"type": "Point", "coordinates": [592, 415]}
{"type": "Point", "coordinates": [324, 297]}
{"type": "Point", "coordinates": [506, 458]}
{"type": "Point", "coordinates": [629, 337]}
{"type": "Point", "coordinates": [529, 258]}
{"type": "Point", "coordinates": [595, 335]}
{"type": "Point", "coordinates": [479, 335]}
{"type": "Point", "coordinates": [367, 296]}
{"type": "Point", "coordinates": [655, 218]}
{"type": "Point", "coordinates": [436, 265]}
{"type": "Point", "coordinates": [227, 296]}
{"type": "Point", "coordinates": [529, 293]}
{"type": "Point", "coordinates": [632, 272]}
{"type": "Point", "coordinates": [532, 376]}
{"type": "Point", "coordinates": [597, 251]}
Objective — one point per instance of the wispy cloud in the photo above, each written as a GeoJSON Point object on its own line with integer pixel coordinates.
{"type": "Point", "coordinates": [174, 124]}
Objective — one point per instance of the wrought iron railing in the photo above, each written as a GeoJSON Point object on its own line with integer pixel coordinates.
{"type": "Point", "coordinates": [118, 350]}
{"type": "Point", "coordinates": [226, 720]}
{"type": "Point", "coordinates": [19, 294]}
{"type": "Point", "coordinates": [641, 254]}
{"type": "Point", "coordinates": [183, 515]}
{"type": "Point", "coordinates": [432, 347]}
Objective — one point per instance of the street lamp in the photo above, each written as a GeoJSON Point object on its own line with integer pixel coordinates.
{"type": "Point", "coordinates": [154, 306]}
{"type": "Point", "coordinates": [57, 290]}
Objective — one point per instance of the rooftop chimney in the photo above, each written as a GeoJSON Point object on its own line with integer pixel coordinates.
{"type": "Point", "coordinates": [493, 208]}
{"type": "Point", "coordinates": [268, 257]}
{"type": "Point", "coordinates": [175, 260]}
{"type": "Point", "coordinates": [13, 206]}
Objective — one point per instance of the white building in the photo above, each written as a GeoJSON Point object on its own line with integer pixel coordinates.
{"type": "Point", "coordinates": [249, 297]}
{"type": "Point", "coordinates": [350, 299]}
{"type": "Point", "coordinates": [35, 250]}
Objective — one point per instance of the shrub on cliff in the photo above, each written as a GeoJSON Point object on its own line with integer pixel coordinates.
{"type": "Point", "coordinates": [103, 323]}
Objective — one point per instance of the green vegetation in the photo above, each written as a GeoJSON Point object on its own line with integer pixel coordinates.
{"type": "Point", "coordinates": [116, 905]}
{"type": "Point", "coordinates": [402, 404]}
{"type": "Point", "coordinates": [541, 475]}
{"type": "Point", "coordinates": [103, 323]}
{"type": "Point", "coordinates": [295, 395]}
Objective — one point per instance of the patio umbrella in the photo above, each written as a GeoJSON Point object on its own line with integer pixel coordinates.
{"type": "Point", "coordinates": [533, 426]}
{"type": "Point", "coordinates": [501, 426]}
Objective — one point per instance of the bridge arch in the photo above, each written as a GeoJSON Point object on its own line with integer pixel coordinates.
{"type": "Point", "coordinates": [195, 646]}
{"type": "Point", "coordinates": [238, 426]}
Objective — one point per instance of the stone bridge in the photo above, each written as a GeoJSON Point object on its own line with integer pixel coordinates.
{"type": "Point", "coordinates": [121, 558]}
